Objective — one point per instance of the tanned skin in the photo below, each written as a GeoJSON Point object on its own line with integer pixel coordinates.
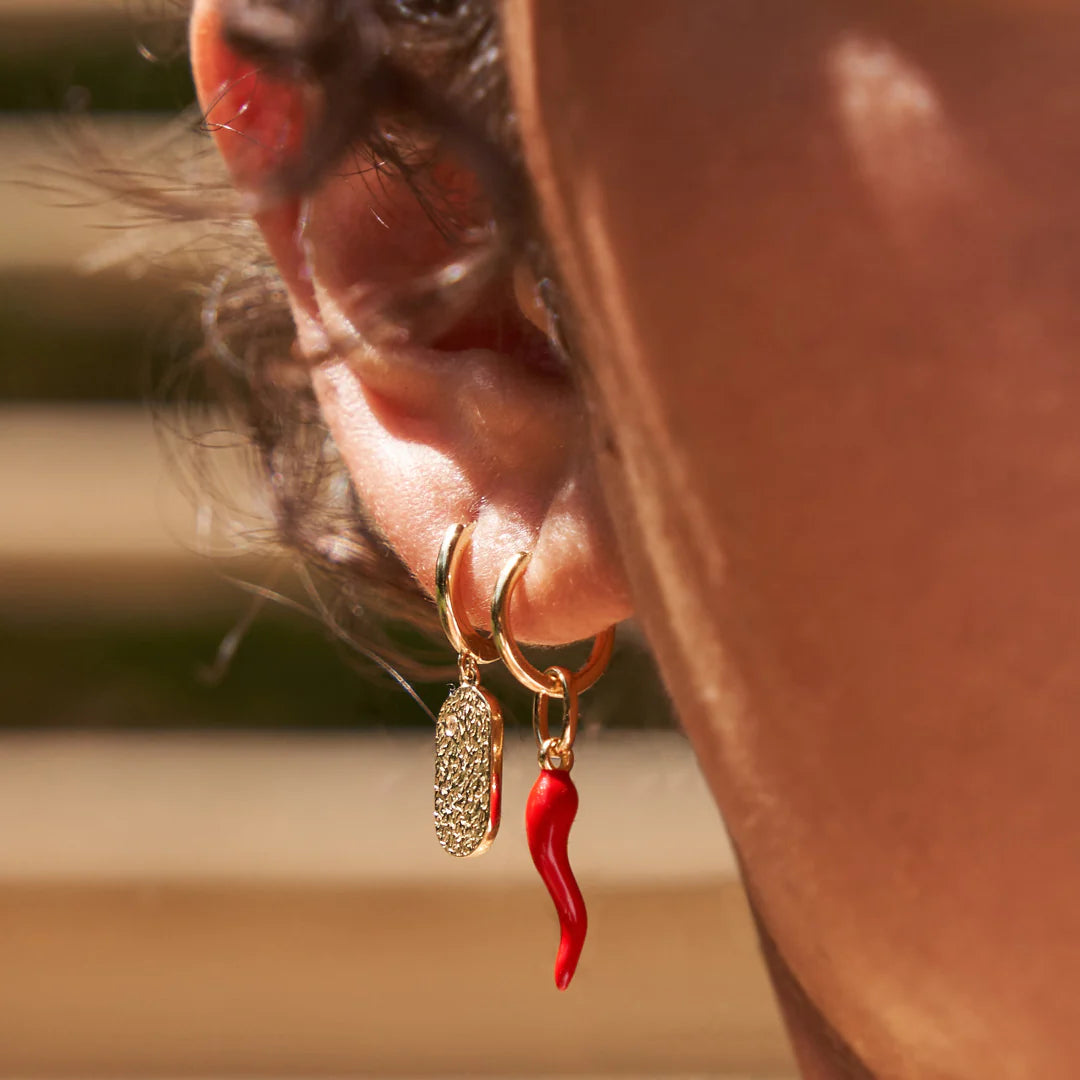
{"type": "Point", "coordinates": [825, 260]}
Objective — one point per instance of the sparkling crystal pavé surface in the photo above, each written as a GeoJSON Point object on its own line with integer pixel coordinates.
{"type": "Point", "coordinates": [468, 753]}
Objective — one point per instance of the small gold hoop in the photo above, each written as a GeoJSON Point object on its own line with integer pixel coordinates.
{"type": "Point", "coordinates": [465, 639]}
{"type": "Point", "coordinates": [503, 635]}
{"type": "Point", "coordinates": [570, 713]}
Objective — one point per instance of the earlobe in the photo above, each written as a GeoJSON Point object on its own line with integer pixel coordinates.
{"type": "Point", "coordinates": [475, 425]}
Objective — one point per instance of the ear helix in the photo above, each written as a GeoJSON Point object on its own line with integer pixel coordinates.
{"type": "Point", "coordinates": [257, 119]}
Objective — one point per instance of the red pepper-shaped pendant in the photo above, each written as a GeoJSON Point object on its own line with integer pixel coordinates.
{"type": "Point", "coordinates": [549, 813]}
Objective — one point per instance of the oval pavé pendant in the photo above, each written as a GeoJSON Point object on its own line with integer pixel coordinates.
{"type": "Point", "coordinates": [468, 770]}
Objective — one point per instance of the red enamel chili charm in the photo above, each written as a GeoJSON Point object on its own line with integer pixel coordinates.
{"type": "Point", "coordinates": [549, 813]}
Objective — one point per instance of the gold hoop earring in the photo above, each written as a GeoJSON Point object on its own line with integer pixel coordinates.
{"type": "Point", "coordinates": [508, 649]}
{"type": "Point", "coordinates": [553, 801]}
{"type": "Point", "coordinates": [469, 727]}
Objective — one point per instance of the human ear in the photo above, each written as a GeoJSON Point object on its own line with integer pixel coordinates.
{"type": "Point", "coordinates": [479, 424]}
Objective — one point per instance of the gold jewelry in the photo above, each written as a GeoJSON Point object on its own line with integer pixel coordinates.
{"type": "Point", "coordinates": [557, 752]}
{"type": "Point", "coordinates": [503, 635]}
{"type": "Point", "coordinates": [553, 802]}
{"type": "Point", "coordinates": [469, 728]}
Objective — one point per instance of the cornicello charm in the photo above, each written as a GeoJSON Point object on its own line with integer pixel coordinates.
{"type": "Point", "coordinates": [469, 728]}
{"type": "Point", "coordinates": [549, 814]}
{"type": "Point", "coordinates": [553, 801]}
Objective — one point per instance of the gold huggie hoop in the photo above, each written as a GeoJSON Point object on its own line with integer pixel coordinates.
{"type": "Point", "coordinates": [465, 639]}
{"type": "Point", "coordinates": [469, 727]}
{"type": "Point", "coordinates": [526, 673]}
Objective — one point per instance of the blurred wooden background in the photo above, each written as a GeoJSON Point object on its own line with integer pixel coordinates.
{"type": "Point", "coordinates": [235, 877]}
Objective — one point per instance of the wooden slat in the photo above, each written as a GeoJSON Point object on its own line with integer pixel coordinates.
{"type": "Point", "coordinates": [207, 981]}
{"type": "Point", "coordinates": [87, 483]}
{"type": "Point", "coordinates": [82, 8]}
{"type": "Point", "coordinates": [339, 809]}
{"type": "Point", "coordinates": [92, 519]}
{"type": "Point", "coordinates": [246, 906]}
{"type": "Point", "coordinates": [50, 218]}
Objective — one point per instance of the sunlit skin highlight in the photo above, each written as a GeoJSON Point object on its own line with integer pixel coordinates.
{"type": "Point", "coordinates": [826, 261]}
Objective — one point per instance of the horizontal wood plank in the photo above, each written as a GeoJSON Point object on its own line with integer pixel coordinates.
{"type": "Point", "coordinates": [248, 982]}
{"type": "Point", "coordinates": [333, 808]}
{"type": "Point", "coordinates": [257, 906]}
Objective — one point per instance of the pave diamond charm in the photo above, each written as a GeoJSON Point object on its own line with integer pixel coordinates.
{"type": "Point", "coordinates": [468, 770]}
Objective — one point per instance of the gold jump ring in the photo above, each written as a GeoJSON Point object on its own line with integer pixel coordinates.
{"type": "Point", "coordinates": [541, 729]}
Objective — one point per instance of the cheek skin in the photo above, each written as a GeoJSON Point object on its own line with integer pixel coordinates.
{"type": "Point", "coordinates": [852, 344]}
